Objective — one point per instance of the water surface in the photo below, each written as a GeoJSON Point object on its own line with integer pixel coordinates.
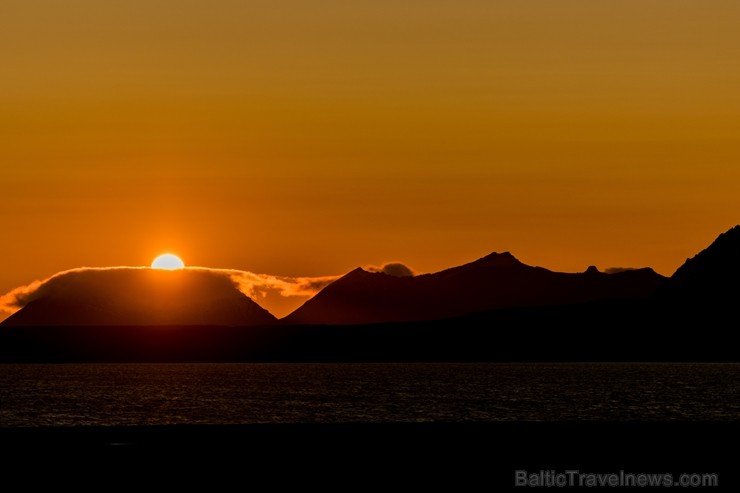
{"type": "Point", "coordinates": [160, 394]}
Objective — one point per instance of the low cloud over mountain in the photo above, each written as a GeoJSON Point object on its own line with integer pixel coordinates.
{"type": "Point", "coordinates": [395, 269]}
{"type": "Point", "coordinates": [133, 295]}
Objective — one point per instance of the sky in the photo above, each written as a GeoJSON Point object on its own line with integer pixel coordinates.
{"type": "Point", "coordinates": [306, 138]}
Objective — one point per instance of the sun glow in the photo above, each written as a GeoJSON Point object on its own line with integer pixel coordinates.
{"type": "Point", "coordinates": [168, 262]}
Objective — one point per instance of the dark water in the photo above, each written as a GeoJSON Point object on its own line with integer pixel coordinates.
{"type": "Point", "coordinates": [159, 394]}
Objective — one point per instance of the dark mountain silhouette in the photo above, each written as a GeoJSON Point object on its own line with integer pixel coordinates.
{"type": "Point", "coordinates": [132, 296]}
{"type": "Point", "coordinates": [496, 281]}
{"type": "Point", "coordinates": [626, 330]}
{"type": "Point", "coordinates": [502, 310]}
{"type": "Point", "coordinates": [712, 277]}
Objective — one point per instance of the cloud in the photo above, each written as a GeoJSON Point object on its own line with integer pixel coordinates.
{"type": "Point", "coordinates": [256, 286]}
{"type": "Point", "coordinates": [259, 285]}
{"type": "Point", "coordinates": [396, 269]}
{"type": "Point", "coordinates": [19, 297]}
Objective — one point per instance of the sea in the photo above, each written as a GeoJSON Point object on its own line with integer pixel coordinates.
{"type": "Point", "coordinates": [78, 395]}
{"type": "Point", "coordinates": [367, 426]}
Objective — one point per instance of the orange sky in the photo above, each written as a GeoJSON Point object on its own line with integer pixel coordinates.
{"type": "Point", "coordinates": [305, 138]}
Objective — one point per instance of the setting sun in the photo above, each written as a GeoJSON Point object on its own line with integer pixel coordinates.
{"type": "Point", "coordinates": [168, 262]}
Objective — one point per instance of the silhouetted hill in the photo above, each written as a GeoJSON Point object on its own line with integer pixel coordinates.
{"type": "Point", "coordinates": [601, 331]}
{"type": "Point", "coordinates": [493, 309]}
{"type": "Point", "coordinates": [133, 296]}
{"type": "Point", "coordinates": [496, 281]}
{"type": "Point", "coordinates": [710, 277]}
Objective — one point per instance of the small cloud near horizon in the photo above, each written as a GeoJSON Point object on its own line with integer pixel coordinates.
{"type": "Point", "coordinates": [396, 269]}
{"type": "Point", "coordinates": [270, 291]}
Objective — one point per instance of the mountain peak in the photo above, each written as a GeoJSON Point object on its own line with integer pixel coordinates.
{"type": "Point", "coordinates": [358, 273]}
{"type": "Point", "coordinates": [721, 258]}
{"type": "Point", "coordinates": [134, 296]}
{"type": "Point", "coordinates": [495, 281]}
{"type": "Point", "coordinates": [731, 236]}
{"type": "Point", "coordinates": [495, 259]}
{"type": "Point", "coordinates": [711, 275]}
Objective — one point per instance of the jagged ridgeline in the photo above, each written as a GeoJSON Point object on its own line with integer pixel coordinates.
{"type": "Point", "coordinates": [493, 309]}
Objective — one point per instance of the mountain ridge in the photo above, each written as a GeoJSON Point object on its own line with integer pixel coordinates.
{"type": "Point", "coordinates": [670, 325]}
{"type": "Point", "coordinates": [497, 280]}
{"type": "Point", "coordinates": [131, 296]}
{"type": "Point", "coordinates": [711, 276]}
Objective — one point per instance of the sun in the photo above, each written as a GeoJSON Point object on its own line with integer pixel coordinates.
{"type": "Point", "coordinates": [168, 262]}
